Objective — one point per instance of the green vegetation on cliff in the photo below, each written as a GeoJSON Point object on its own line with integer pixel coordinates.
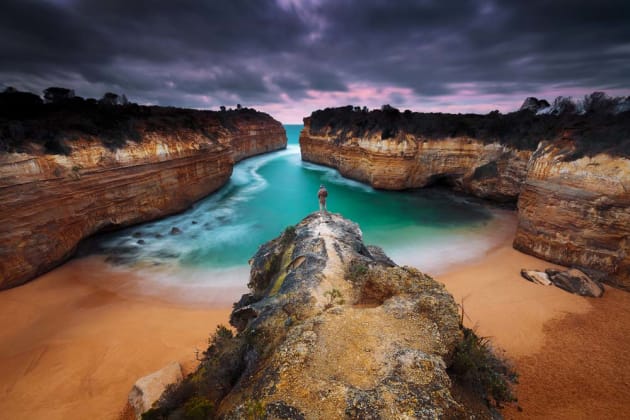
{"type": "Point", "coordinates": [477, 367]}
{"type": "Point", "coordinates": [199, 394]}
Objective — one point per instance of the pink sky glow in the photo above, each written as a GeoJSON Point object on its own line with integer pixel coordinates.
{"type": "Point", "coordinates": [465, 98]}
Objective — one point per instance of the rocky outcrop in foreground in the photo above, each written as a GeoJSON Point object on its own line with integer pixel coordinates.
{"type": "Point", "coordinates": [569, 172]}
{"type": "Point", "coordinates": [331, 329]}
{"type": "Point", "coordinates": [68, 171]}
{"type": "Point", "coordinates": [355, 347]}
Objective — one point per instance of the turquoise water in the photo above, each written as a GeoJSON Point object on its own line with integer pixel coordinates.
{"type": "Point", "coordinates": [269, 192]}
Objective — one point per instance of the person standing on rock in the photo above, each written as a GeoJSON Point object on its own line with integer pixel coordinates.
{"type": "Point", "coordinates": [322, 194]}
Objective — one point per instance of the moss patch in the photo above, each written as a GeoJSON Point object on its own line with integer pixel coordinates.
{"type": "Point", "coordinates": [283, 271]}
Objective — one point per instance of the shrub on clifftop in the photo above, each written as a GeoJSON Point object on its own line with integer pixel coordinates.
{"type": "Point", "coordinates": [199, 394]}
{"type": "Point", "coordinates": [477, 367]}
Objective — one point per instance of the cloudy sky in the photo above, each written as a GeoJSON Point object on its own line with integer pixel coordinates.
{"type": "Point", "coordinates": [290, 57]}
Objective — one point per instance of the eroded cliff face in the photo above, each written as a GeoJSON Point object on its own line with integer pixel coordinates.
{"type": "Point", "coordinates": [49, 202]}
{"type": "Point", "coordinates": [247, 139]}
{"type": "Point", "coordinates": [572, 211]}
{"type": "Point", "coordinates": [577, 213]}
{"type": "Point", "coordinates": [485, 170]}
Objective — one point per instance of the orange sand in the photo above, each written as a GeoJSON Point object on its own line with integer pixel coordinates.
{"type": "Point", "coordinates": [572, 353]}
{"type": "Point", "coordinates": [72, 349]}
{"type": "Point", "coordinates": [73, 342]}
{"type": "Point", "coordinates": [502, 305]}
{"type": "Point", "coordinates": [583, 368]}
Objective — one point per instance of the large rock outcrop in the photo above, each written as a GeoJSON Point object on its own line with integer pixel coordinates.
{"type": "Point", "coordinates": [572, 186]}
{"type": "Point", "coordinates": [333, 329]}
{"type": "Point", "coordinates": [54, 193]}
{"type": "Point", "coordinates": [339, 333]}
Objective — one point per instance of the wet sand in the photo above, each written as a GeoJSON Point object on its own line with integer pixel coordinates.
{"type": "Point", "coordinates": [73, 342]}
{"type": "Point", "coordinates": [572, 353]}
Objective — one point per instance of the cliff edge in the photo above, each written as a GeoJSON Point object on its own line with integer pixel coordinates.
{"type": "Point", "coordinates": [331, 329]}
{"type": "Point", "coordinates": [69, 170]}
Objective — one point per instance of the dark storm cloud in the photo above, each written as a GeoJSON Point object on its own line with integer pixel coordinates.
{"type": "Point", "coordinates": [204, 53]}
{"type": "Point", "coordinates": [212, 47]}
{"type": "Point", "coordinates": [428, 46]}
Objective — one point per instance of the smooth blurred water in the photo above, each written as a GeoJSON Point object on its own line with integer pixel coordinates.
{"type": "Point", "coordinates": [267, 193]}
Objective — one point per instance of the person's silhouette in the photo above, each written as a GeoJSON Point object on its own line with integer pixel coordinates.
{"type": "Point", "coordinates": [322, 194]}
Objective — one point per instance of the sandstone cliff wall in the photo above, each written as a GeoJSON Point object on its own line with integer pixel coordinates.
{"type": "Point", "coordinates": [577, 213]}
{"type": "Point", "coordinates": [572, 211]}
{"type": "Point", "coordinates": [49, 202]}
{"type": "Point", "coordinates": [485, 170]}
{"type": "Point", "coordinates": [247, 140]}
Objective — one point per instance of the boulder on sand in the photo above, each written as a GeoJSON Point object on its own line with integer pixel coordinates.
{"type": "Point", "coordinates": [575, 281]}
{"type": "Point", "coordinates": [148, 389]}
{"type": "Point", "coordinates": [538, 277]}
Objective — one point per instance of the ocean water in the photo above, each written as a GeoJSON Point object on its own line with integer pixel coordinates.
{"type": "Point", "coordinates": [428, 228]}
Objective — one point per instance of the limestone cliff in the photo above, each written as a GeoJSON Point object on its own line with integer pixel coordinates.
{"type": "Point", "coordinates": [331, 329]}
{"type": "Point", "coordinates": [62, 180]}
{"type": "Point", "coordinates": [491, 170]}
{"type": "Point", "coordinates": [572, 185]}
{"type": "Point", "coordinates": [577, 213]}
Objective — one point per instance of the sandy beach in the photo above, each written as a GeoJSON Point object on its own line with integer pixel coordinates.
{"type": "Point", "coordinates": [73, 342]}
{"type": "Point", "coordinates": [571, 353]}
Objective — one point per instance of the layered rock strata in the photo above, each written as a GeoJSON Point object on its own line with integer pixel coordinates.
{"type": "Point", "coordinates": [487, 170]}
{"type": "Point", "coordinates": [50, 202]}
{"type": "Point", "coordinates": [573, 209]}
{"type": "Point", "coordinates": [577, 213]}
